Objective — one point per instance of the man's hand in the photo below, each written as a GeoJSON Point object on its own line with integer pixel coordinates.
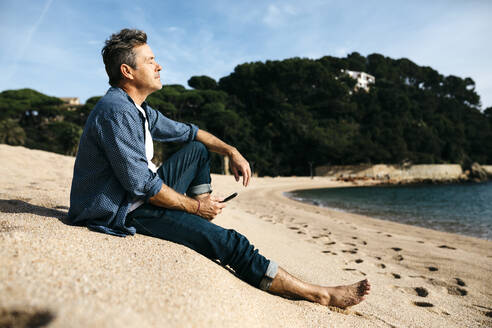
{"type": "Point", "coordinates": [240, 164]}
{"type": "Point", "coordinates": [210, 207]}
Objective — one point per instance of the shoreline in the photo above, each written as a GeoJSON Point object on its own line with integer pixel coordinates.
{"type": "Point", "coordinates": [408, 173]}
{"type": "Point", "coordinates": [383, 215]}
{"type": "Point", "coordinates": [79, 278]}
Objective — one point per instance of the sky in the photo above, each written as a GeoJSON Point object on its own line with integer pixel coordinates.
{"type": "Point", "coordinates": [54, 46]}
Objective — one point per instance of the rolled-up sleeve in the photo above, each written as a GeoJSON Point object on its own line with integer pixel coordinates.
{"type": "Point", "coordinates": [122, 140]}
{"type": "Point", "coordinates": [166, 130]}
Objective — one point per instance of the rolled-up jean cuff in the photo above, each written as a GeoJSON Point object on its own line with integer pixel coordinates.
{"type": "Point", "coordinates": [199, 189]}
{"type": "Point", "coordinates": [270, 274]}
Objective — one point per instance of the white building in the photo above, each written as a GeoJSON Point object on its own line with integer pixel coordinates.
{"type": "Point", "coordinates": [70, 100]}
{"type": "Point", "coordinates": [70, 103]}
{"type": "Point", "coordinates": [363, 79]}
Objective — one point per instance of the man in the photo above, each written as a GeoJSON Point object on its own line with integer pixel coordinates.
{"type": "Point", "coordinates": [116, 189]}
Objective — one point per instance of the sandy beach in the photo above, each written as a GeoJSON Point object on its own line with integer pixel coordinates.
{"type": "Point", "coordinates": [64, 276]}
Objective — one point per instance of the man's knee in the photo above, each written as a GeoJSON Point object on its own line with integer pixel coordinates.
{"type": "Point", "coordinates": [199, 147]}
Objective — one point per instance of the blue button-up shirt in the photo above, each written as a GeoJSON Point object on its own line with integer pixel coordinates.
{"type": "Point", "coordinates": [111, 168]}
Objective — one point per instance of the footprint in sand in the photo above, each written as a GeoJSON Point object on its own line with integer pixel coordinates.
{"type": "Point", "coordinates": [421, 291]}
{"type": "Point", "coordinates": [359, 261]}
{"type": "Point", "coordinates": [364, 242]}
{"type": "Point", "coordinates": [301, 233]}
{"type": "Point", "coordinates": [378, 258]}
{"type": "Point", "coordinates": [396, 249]}
{"type": "Point", "coordinates": [330, 243]}
{"type": "Point", "coordinates": [396, 275]}
{"type": "Point", "coordinates": [420, 241]}
{"type": "Point", "coordinates": [460, 282]}
{"type": "Point", "coordinates": [423, 304]}
{"type": "Point", "coordinates": [439, 283]}
{"type": "Point", "coordinates": [25, 318]}
{"type": "Point", "coordinates": [447, 247]}
{"type": "Point", "coordinates": [350, 244]}
{"type": "Point", "coordinates": [294, 228]}
{"type": "Point", "coordinates": [389, 235]}
{"type": "Point", "coordinates": [417, 291]}
{"type": "Point", "coordinates": [452, 290]}
{"type": "Point", "coordinates": [398, 258]}
{"type": "Point", "coordinates": [351, 251]}
{"type": "Point", "coordinates": [431, 268]}
{"type": "Point", "coordinates": [354, 237]}
{"type": "Point", "coordinates": [381, 265]}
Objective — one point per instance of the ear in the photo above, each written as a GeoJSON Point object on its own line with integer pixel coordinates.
{"type": "Point", "coordinates": [126, 71]}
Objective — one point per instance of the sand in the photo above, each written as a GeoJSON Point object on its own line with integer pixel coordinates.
{"type": "Point", "coordinates": [65, 276]}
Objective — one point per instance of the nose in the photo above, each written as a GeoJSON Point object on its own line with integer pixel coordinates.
{"type": "Point", "coordinates": [159, 67]}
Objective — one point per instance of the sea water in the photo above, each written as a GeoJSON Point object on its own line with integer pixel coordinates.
{"type": "Point", "coordinates": [459, 208]}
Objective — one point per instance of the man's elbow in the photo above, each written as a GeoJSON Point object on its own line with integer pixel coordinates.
{"type": "Point", "coordinates": [145, 191]}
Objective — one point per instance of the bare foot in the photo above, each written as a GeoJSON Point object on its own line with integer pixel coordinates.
{"type": "Point", "coordinates": [344, 296]}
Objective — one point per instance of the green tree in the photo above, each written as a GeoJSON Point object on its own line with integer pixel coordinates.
{"type": "Point", "coordinates": [202, 82]}
{"type": "Point", "coordinates": [11, 133]}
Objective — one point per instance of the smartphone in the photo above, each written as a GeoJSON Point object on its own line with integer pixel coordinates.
{"type": "Point", "coordinates": [228, 198]}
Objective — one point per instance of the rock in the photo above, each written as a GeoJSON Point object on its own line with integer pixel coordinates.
{"type": "Point", "coordinates": [477, 173]}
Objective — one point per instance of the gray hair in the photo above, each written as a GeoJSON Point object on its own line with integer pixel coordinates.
{"type": "Point", "coordinates": [118, 50]}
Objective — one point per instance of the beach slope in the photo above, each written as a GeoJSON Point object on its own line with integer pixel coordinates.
{"type": "Point", "coordinates": [60, 275]}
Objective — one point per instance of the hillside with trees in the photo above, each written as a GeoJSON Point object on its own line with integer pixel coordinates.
{"type": "Point", "coordinates": [287, 115]}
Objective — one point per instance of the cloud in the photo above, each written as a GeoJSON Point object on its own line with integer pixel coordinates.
{"type": "Point", "coordinates": [27, 40]}
{"type": "Point", "coordinates": [277, 16]}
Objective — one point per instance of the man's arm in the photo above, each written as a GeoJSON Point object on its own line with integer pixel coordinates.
{"type": "Point", "coordinates": [208, 207]}
{"type": "Point", "coordinates": [237, 161]}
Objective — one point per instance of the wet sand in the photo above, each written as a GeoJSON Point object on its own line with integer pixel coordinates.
{"type": "Point", "coordinates": [62, 276]}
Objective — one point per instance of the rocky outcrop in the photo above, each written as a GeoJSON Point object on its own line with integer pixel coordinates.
{"type": "Point", "coordinates": [478, 173]}
{"type": "Point", "coordinates": [396, 173]}
{"type": "Point", "coordinates": [488, 169]}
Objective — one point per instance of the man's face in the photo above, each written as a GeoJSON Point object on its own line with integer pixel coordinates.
{"type": "Point", "coordinates": [146, 76]}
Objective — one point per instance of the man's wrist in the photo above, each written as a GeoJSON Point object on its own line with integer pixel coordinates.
{"type": "Point", "coordinates": [231, 151]}
{"type": "Point", "coordinates": [198, 207]}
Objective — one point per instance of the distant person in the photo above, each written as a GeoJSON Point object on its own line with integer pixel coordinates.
{"type": "Point", "coordinates": [116, 189]}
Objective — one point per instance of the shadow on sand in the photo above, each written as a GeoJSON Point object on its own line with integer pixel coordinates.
{"type": "Point", "coordinates": [21, 206]}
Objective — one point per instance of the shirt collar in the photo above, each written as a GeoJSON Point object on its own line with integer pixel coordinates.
{"type": "Point", "coordinates": [123, 93]}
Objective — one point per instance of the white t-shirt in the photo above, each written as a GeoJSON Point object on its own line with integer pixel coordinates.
{"type": "Point", "coordinates": [149, 153]}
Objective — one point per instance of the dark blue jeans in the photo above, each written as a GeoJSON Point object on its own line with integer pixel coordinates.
{"type": "Point", "coordinates": [188, 171]}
